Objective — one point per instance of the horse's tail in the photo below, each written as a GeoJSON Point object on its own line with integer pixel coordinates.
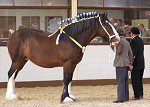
{"type": "Point", "coordinates": [14, 45]}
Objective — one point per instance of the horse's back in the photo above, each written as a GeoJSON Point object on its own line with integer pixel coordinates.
{"type": "Point", "coordinates": [20, 40]}
{"type": "Point", "coordinates": [35, 46]}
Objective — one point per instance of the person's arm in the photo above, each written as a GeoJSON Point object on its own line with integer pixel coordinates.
{"type": "Point", "coordinates": [112, 47]}
{"type": "Point", "coordinates": [119, 48]}
{"type": "Point", "coordinates": [130, 58]}
{"type": "Point", "coordinates": [134, 48]}
{"type": "Point", "coordinates": [130, 55]}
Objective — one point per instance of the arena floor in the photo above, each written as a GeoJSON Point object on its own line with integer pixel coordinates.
{"type": "Point", "coordinates": [87, 96]}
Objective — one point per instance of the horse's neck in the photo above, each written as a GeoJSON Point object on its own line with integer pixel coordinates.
{"type": "Point", "coordinates": [90, 33]}
{"type": "Point", "coordinates": [84, 31]}
{"type": "Point", "coordinates": [86, 37]}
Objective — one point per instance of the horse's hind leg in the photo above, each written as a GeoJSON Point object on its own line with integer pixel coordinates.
{"type": "Point", "coordinates": [10, 94]}
{"type": "Point", "coordinates": [12, 74]}
{"type": "Point", "coordinates": [68, 74]}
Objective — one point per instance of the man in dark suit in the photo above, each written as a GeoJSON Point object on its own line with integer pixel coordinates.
{"type": "Point", "coordinates": [137, 47]}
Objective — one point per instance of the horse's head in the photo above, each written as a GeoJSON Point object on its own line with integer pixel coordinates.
{"type": "Point", "coordinates": [107, 30]}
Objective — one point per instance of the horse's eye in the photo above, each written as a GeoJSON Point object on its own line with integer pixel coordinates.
{"type": "Point", "coordinates": [107, 23]}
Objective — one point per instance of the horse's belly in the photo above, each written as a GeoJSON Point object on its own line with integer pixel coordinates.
{"type": "Point", "coordinates": [47, 63]}
{"type": "Point", "coordinates": [44, 57]}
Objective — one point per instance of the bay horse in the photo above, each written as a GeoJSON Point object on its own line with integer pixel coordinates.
{"type": "Point", "coordinates": [65, 48]}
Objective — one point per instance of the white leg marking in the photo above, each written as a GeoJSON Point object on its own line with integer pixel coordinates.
{"type": "Point", "coordinates": [69, 88]}
{"type": "Point", "coordinates": [71, 98]}
{"type": "Point", "coordinates": [10, 94]}
{"type": "Point", "coordinates": [69, 91]}
{"type": "Point", "coordinates": [68, 100]}
{"type": "Point", "coordinates": [114, 30]}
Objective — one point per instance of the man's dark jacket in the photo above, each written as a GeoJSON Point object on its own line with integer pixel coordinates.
{"type": "Point", "coordinates": [137, 47]}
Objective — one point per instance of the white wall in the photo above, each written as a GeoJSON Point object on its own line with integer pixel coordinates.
{"type": "Point", "coordinates": [33, 12]}
{"type": "Point", "coordinates": [96, 64]}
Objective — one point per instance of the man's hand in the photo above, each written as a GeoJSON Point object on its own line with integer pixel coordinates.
{"type": "Point", "coordinates": [130, 67]}
{"type": "Point", "coordinates": [115, 43]}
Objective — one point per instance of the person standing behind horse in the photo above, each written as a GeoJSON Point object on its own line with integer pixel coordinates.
{"type": "Point", "coordinates": [144, 33]}
{"type": "Point", "coordinates": [126, 30]}
{"type": "Point", "coordinates": [137, 47]}
{"type": "Point", "coordinates": [112, 20]}
{"type": "Point", "coordinates": [123, 62]}
{"type": "Point", "coordinates": [21, 27]}
{"type": "Point", "coordinates": [36, 27]}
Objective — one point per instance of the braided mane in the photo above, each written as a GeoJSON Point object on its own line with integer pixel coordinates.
{"type": "Point", "coordinates": [79, 23]}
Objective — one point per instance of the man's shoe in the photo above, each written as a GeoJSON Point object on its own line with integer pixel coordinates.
{"type": "Point", "coordinates": [135, 98]}
{"type": "Point", "coordinates": [117, 101]}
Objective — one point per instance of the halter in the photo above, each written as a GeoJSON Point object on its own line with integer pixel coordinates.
{"type": "Point", "coordinates": [106, 30]}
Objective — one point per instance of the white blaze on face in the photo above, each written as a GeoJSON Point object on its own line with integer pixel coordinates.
{"type": "Point", "coordinates": [114, 30]}
{"type": "Point", "coordinates": [10, 94]}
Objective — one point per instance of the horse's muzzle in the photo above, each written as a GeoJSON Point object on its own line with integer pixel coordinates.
{"type": "Point", "coordinates": [114, 38]}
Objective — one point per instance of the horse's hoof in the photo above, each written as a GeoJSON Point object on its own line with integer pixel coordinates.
{"type": "Point", "coordinates": [68, 100]}
{"type": "Point", "coordinates": [12, 97]}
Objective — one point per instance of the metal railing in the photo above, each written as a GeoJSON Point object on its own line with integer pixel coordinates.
{"type": "Point", "coordinates": [3, 41]}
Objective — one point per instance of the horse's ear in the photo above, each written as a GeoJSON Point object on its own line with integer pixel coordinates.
{"type": "Point", "coordinates": [103, 15]}
{"type": "Point", "coordinates": [106, 14]}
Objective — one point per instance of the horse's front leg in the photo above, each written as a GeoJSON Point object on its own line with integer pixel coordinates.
{"type": "Point", "coordinates": [68, 74]}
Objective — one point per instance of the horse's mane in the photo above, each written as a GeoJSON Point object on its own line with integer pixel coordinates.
{"type": "Point", "coordinates": [80, 23]}
{"type": "Point", "coordinates": [84, 25]}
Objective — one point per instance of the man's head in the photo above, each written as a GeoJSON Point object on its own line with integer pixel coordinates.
{"type": "Point", "coordinates": [140, 26]}
{"type": "Point", "coordinates": [126, 28]}
{"type": "Point", "coordinates": [134, 31]}
{"type": "Point", "coordinates": [35, 26]}
{"type": "Point", "coordinates": [112, 20]}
